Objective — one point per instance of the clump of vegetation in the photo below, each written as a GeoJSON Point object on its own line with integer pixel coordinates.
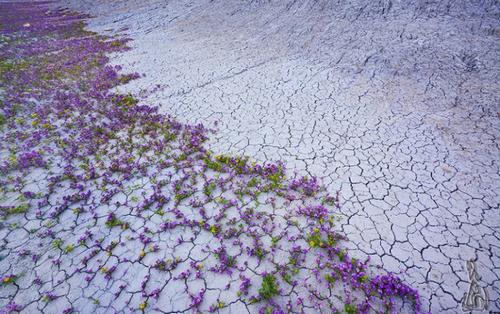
{"type": "Point", "coordinates": [269, 287]}
{"type": "Point", "coordinates": [259, 253]}
{"type": "Point", "coordinates": [314, 239]}
{"type": "Point", "coordinates": [209, 188]}
{"type": "Point", "coordinates": [350, 309]}
{"type": "Point", "coordinates": [12, 210]}
{"type": "Point", "coordinates": [57, 243]}
{"type": "Point", "coordinates": [214, 229]}
{"type": "Point", "coordinates": [8, 279]}
{"type": "Point", "coordinates": [253, 182]}
{"type": "Point", "coordinates": [216, 306]}
{"type": "Point", "coordinates": [126, 101]}
{"type": "Point", "coordinates": [276, 179]}
{"type": "Point", "coordinates": [212, 164]}
{"type": "Point", "coordinates": [143, 306]}
{"type": "Point", "coordinates": [182, 195]}
{"type": "Point", "coordinates": [112, 221]}
{"type": "Point", "coordinates": [69, 248]}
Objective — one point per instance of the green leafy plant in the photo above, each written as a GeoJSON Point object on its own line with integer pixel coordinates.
{"type": "Point", "coordinates": [57, 243]}
{"type": "Point", "coordinates": [350, 309]}
{"type": "Point", "coordinates": [20, 209]}
{"type": "Point", "coordinates": [314, 239]}
{"type": "Point", "coordinates": [269, 287]}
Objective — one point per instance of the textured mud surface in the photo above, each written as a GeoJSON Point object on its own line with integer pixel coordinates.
{"type": "Point", "coordinates": [395, 106]}
{"type": "Point", "coordinates": [108, 206]}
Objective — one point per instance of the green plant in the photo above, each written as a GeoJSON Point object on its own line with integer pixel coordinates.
{"type": "Point", "coordinates": [275, 179]}
{"type": "Point", "coordinates": [350, 309]}
{"type": "Point", "coordinates": [269, 287]}
{"type": "Point", "coordinates": [253, 182]}
{"type": "Point", "coordinates": [259, 253]}
{"type": "Point", "coordinates": [341, 254]}
{"type": "Point", "coordinates": [214, 229]}
{"type": "Point", "coordinates": [211, 164]}
{"type": "Point", "coordinates": [314, 239]}
{"type": "Point", "coordinates": [113, 222]}
{"type": "Point", "coordinates": [20, 209]}
{"type": "Point", "coordinates": [69, 248]}
{"type": "Point", "coordinates": [209, 188]}
{"type": "Point", "coordinates": [182, 195]}
{"type": "Point", "coordinates": [57, 243]}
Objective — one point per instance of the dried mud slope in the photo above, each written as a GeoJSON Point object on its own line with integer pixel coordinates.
{"type": "Point", "coordinates": [393, 103]}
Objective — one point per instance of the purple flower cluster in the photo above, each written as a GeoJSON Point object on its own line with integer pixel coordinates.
{"type": "Point", "coordinates": [30, 159]}
{"type": "Point", "coordinates": [12, 307]}
{"type": "Point", "coordinates": [392, 286]}
{"type": "Point", "coordinates": [314, 211]}
{"type": "Point", "coordinates": [307, 186]}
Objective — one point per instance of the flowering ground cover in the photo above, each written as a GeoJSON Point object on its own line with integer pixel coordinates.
{"type": "Point", "coordinates": [108, 205]}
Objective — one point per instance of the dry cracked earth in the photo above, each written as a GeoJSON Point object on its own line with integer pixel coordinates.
{"type": "Point", "coordinates": [394, 104]}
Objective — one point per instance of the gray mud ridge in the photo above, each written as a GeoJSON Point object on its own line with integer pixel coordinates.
{"type": "Point", "coordinates": [394, 103]}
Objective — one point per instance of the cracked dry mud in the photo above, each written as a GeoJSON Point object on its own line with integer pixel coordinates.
{"type": "Point", "coordinates": [394, 105]}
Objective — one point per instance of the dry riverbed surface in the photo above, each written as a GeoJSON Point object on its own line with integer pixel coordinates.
{"type": "Point", "coordinates": [393, 104]}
